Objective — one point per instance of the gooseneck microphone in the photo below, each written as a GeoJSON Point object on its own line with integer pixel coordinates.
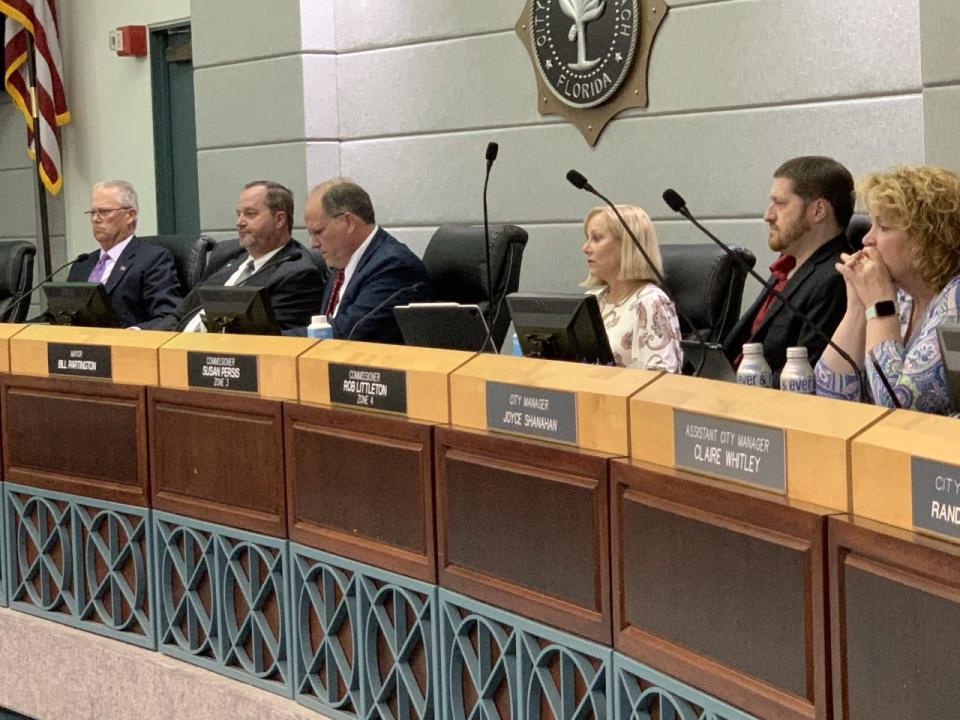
{"type": "Point", "coordinates": [581, 183]}
{"type": "Point", "coordinates": [492, 150]}
{"type": "Point", "coordinates": [416, 287]}
{"type": "Point", "coordinates": [679, 205]}
{"type": "Point", "coordinates": [23, 296]}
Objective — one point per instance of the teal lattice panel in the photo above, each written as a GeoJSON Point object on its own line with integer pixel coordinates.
{"type": "Point", "coordinates": [222, 600]}
{"type": "Point", "coordinates": [643, 693]}
{"type": "Point", "coordinates": [363, 639]}
{"type": "Point", "coordinates": [3, 550]}
{"type": "Point", "coordinates": [79, 561]}
{"type": "Point", "coordinates": [496, 665]}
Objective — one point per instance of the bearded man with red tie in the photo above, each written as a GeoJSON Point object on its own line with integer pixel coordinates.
{"type": "Point", "coordinates": [367, 264]}
{"type": "Point", "coordinates": [811, 202]}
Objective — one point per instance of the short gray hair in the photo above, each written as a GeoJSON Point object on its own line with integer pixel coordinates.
{"type": "Point", "coordinates": [128, 196]}
{"type": "Point", "coordinates": [341, 195]}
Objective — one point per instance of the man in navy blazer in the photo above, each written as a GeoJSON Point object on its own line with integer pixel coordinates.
{"type": "Point", "coordinates": [371, 271]}
{"type": "Point", "coordinates": [263, 256]}
{"type": "Point", "coordinates": [139, 277]}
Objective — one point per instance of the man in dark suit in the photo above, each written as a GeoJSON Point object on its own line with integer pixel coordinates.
{"type": "Point", "coordinates": [263, 256]}
{"type": "Point", "coordinates": [811, 201]}
{"type": "Point", "coordinates": [372, 271]}
{"type": "Point", "coordinates": [139, 277]}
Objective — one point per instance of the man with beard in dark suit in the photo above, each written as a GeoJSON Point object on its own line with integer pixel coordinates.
{"type": "Point", "coordinates": [264, 255]}
{"type": "Point", "coordinates": [811, 202]}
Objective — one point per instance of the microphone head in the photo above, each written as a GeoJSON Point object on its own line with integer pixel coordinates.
{"type": "Point", "coordinates": [492, 150]}
{"type": "Point", "coordinates": [672, 198]}
{"type": "Point", "coordinates": [577, 180]}
{"type": "Point", "coordinates": [81, 257]}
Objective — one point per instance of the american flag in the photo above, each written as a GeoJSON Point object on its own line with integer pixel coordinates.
{"type": "Point", "coordinates": [39, 19]}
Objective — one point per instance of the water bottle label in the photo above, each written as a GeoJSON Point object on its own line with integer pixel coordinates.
{"type": "Point", "coordinates": [754, 379]}
{"type": "Point", "coordinates": [806, 385]}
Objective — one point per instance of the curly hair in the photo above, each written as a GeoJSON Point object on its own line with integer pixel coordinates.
{"type": "Point", "coordinates": [632, 264]}
{"type": "Point", "coordinates": [924, 202]}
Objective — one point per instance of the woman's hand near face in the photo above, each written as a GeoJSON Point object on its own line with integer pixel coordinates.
{"type": "Point", "coordinates": [869, 277]}
{"type": "Point", "coordinates": [855, 305]}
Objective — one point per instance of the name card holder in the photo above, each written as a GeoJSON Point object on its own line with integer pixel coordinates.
{"type": "Point", "coordinates": [123, 356]}
{"type": "Point", "coordinates": [906, 473]}
{"type": "Point", "coordinates": [573, 403]}
{"type": "Point", "coordinates": [257, 365]}
{"type": "Point", "coordinates": [790, 444]}
{"type": "Point", "coordinates": [406, 380]}
{"type": "Point", "coordinates": [7, 331]}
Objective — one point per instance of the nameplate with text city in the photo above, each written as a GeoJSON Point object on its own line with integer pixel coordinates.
{"type": "Point", "coordinates": [935, 496]}
{"type": "Point", "coordinates": [537, 412]}
{"type": "Point", "coordinates": [372, 388]}
{"type": "Point", "coordinates": [223, 371]}
{"type": "Point", "coordinates": [79, 360]}
{"type": "Point", "coordinates": [747, 453]}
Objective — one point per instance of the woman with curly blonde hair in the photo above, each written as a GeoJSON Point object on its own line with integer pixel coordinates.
{"type": "Point", "coordinates": [900, 288]}
{"type": "Point", "coordinates": [640, 319]}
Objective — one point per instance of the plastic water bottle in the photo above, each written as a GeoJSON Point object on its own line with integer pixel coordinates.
{"type": "Point", "coordinates": [515, 344]}
{"type": "Point", "coordinates": [319, 328]}
{"type": "Point", "coordinates": [797, 375]}
{"type": "Point", "coordinates": [754, 369]}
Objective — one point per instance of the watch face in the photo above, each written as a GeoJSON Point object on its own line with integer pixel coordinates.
{"type": "Point", "coordinates": [885, 308]}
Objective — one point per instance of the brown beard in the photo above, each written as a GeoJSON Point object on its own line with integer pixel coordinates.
{"type": "Point", "coordinates": [782, 240]}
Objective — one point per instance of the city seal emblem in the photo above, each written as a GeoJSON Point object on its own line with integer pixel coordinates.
{"type": "Point", "coordinates": [590, 56]}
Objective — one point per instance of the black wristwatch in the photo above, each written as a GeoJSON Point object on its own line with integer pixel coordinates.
{"type": "Point", "coordinates": [884, 308]}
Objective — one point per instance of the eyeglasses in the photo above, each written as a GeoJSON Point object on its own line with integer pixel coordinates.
{"type": "Point", "coordinates": [100, 213]}
{"type": "Point", "coordinates": [319, 231]}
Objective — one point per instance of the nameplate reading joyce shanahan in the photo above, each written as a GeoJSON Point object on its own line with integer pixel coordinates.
{"type": "Point", "coordinates": [747, 453]}
{"type": "Point", "coordinates": [368, 387]}
{"type": "Point", "coordinates": [81, 360]}
{"type": "Point", "coordinates": [550, 414]}
{"type": "Point", "coordinates": [221, 371]}
{"type": "Point", "coordinates": [936, 496]}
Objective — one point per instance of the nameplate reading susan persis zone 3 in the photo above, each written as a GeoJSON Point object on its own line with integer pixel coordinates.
{"type": "Point", "coordinates": [368, 387]}
{"type": "Point", "coordinates": [81, 360]}
{"type": "Point", "coordinates": [748, 453]}
{"type": "Point", "coordinates": [219, 371]}
{"type": "Point", "coordinates": [936, 496]}
{"type": "Point", "coordinates": [550, 414]}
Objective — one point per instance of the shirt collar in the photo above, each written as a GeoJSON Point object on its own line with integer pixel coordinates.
{"type": "Point", "coordinates": [117, 250]}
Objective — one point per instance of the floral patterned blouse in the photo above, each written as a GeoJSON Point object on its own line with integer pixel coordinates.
{"type": "Point", "coordinates": [643, 329]}
{"type": "Point", "coordinates": [915, 371]}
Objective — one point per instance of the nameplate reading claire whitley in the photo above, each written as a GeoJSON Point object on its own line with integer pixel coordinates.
{"type": "Point", "coordinates": [218, 371]}
{"type": "Point", "coordinates": [368, 387]}
{"type": "Point", "coordinates": [747, 453]}
{"type": "Point", "coordinates": [540, 413]}
{"type": "Point", "coordinates": [936, 496]}
{"type": "Point", "coordinates": [79, 360]}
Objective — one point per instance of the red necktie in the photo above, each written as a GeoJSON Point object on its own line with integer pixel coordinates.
{"type": "Point", "coordinates": [335, 293]}
{"type": "Point", "coordinates": [780, 269]}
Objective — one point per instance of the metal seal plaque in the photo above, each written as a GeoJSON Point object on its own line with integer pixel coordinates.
{"type": "Point", "coordinates": [590, 56]}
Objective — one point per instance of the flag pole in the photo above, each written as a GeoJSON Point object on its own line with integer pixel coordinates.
{"type": "Point", "coordinates": [37, 147]}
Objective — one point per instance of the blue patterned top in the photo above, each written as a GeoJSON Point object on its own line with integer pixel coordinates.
{"type": "Point", "coordinates": [916, 371]}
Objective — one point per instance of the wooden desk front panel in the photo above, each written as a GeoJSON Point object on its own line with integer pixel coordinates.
{"type": "Point", "coordinates": [360, 484]}
{"type": "Point", "coordinates": [218, 457]}
{"type": "Point", "coordinates": [524, 525]}
{"type": "Point", "coordinates": [721, 587]}
{"type": "Point", "coordinates": [84, 437]}
{"type": "Point", "coordinates": [895, 622]}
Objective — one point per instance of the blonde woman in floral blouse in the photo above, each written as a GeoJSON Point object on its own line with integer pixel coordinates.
{"type": "Point", "coordinates": [641, 320]}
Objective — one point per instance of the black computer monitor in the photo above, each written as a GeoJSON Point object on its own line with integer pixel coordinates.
{"type": "Point", "coordinates": [560, 327]}
{"type": "Point", "coordinates": [446, 325]}
{"type": "Point", "coordinates": [80, 303]}
{"type": "Point", "coordinates": [244, 310]}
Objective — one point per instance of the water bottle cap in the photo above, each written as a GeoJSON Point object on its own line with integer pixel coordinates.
{"type": "Point", "coordinates": [797, 353]}
{"type": "Point", "coordinates": [753, 349]}
{"type": "Point", "coordinates": [318, 320]}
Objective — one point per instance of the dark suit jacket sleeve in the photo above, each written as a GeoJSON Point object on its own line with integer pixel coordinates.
{"type": "Point", "coordinates": [393, 273]}
{"type": "Point", "coordinates": [161, 288]}
{"type": "Point", "coordinates": [298, 297]}
{"type": "Point", "coordinates": [827, 309]}
{"type": "Point", "coordinates": [171, 321]}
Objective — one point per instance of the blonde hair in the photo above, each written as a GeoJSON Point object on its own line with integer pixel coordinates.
{"type": "Point", "coordinates": [924, 202]}
{"type": "Point", "coordinates": [632, 264]}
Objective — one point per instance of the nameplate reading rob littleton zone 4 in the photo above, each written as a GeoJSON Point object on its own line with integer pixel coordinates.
{"type": "Point", "coordinates": [368, 387]}
{"type": "Point", "coordinates": [220, 371]}
{"type": "Point", "coordinates": [747, 453]}
{"type": "Point", "coordinates": [540, 413]}
{"type": "Point", "coordinates": [79, 360]}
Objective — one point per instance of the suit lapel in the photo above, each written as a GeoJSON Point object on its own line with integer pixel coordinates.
{"type": "Point", "coordinates": [258, 277]}
{"type": "Point", "coordinates": [790, 289]}
{"type": "Point", "coordinates": [123, 263]}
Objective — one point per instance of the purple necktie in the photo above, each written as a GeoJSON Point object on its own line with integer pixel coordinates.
{"type": "Point", "coordinates": [97, 273]}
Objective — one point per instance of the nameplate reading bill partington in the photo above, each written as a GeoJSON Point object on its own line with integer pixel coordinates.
{"type": "Point", "coordinates": [80, 360]}
{"type": "Point", "coordinates": [540, 413]}
{"type": "Point", "coordinates": [218, 371]}
{"type": "Point", "coordinates": [368, 387]}
{"type": "Point", "coordinates": [936, 497]}
{"type": "Point", "coordinates": [747, 453]}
